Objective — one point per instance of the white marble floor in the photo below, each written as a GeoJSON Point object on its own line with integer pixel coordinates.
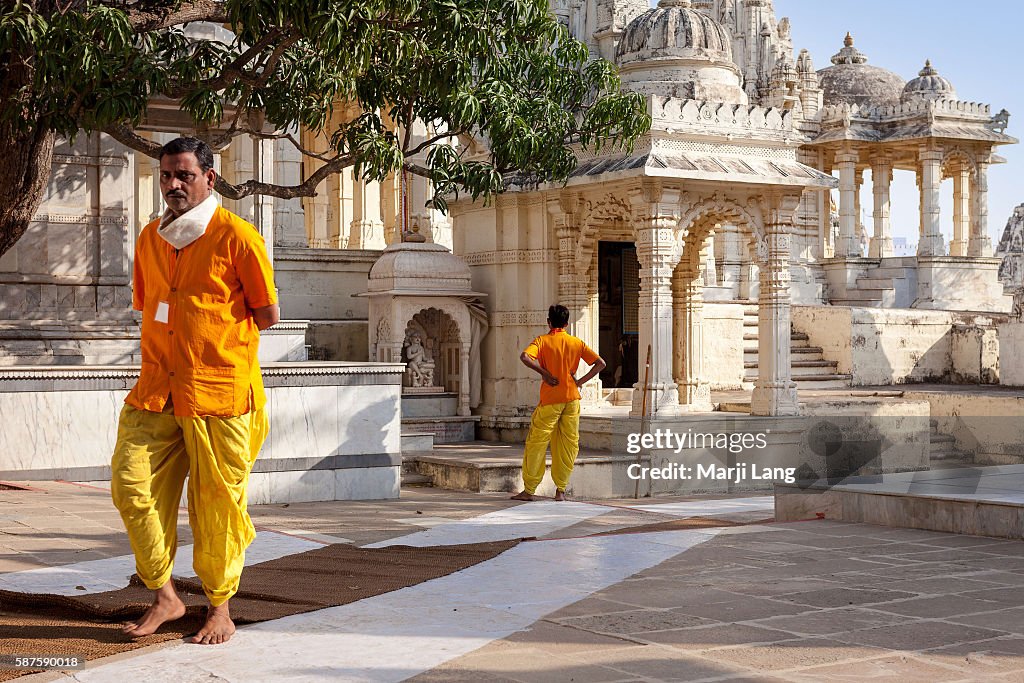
{"type": "Point", "coordinates": [522, 521]}
{"type": "Point", "coordinates": [710, 508]}
{"type": "Point", "coordinates": [397, 635]}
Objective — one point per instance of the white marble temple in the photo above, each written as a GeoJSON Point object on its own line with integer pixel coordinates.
{"type": "Point", "coordinates": [397, 635]}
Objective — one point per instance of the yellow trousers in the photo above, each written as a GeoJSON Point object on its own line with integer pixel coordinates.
{"type": "Point", "coordinates": [559, 424]}
{"type": "Point", "coordinates": [153, 455]}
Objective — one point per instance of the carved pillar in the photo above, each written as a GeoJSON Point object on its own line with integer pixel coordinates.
{"type": "Point", "coordinates": [656, 217]}
{"type": "Point", "coordinates": [775, 390]}
{"type": "Point", "coordinates": [367, 227]}
{"type": "Point", "coordinates": [574, 290]}
{"type": "Point", "coordinates": [961, 210]}
{"type": "Point", "coordinates": [749, 273]}
{"type": "Point", "coordinates": [708, 258]}
{"type": "Point", "coordinates": [464, 379]}
{"type": "Point", "coordinates": [881, 176]}
{"type": "Point", "coordinates": [732, 259]}
{"type": "Point", "coordinates": [931, 242]}
{"type": "Point", "coordinates": [289, 217]}
{"type": "Point", "coordinates": [980, 244]}
{"type": "Point", "coordinates": [688, 326]}
{"type": "Point", "coordinates": [847, 245]}
{"type": "Point", "coordinates": [858, 224]}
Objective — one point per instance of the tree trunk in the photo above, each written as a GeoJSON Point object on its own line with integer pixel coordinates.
{"type": "Point", "coordinates": [24, 174]}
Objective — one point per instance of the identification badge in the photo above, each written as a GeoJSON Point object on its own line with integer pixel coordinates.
{"type": "Point", "coordinates": [162, 311]}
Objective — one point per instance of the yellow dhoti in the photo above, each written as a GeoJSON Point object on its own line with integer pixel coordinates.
{"type": "Point", "coordinates": [154, 454]}
{"type": "Point", "coordinates": [559, 424]}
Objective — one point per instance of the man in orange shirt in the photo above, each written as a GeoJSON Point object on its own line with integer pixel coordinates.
{"type": "Point", "coordinates": [205, 287]}
{"type": "Point", "coordinates": [555, 356]}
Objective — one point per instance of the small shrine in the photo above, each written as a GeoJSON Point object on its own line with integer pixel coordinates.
{"type": "Point", "coordinates": [424, 313]}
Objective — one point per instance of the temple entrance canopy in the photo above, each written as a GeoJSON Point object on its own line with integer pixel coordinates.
{"type": "Point", "coordinates": [711, 164]}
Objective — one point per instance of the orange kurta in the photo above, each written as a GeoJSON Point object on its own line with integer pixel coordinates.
{"type": "Point", "coordinates": [559, 353]}
{"type": "Point", "coordinates": [205, 353]}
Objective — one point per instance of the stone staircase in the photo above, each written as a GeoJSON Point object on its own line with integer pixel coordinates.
{"type": "Point", "coordinates": [942, 450]}
{"type": "Point", "coordinates": [885, 286]}
{"type": "Point", "coordinates": [413, 446]}
{"type": "Point", "coordinates": [435, 414]}
{"type": "Point", "coordinates": [810, 370]}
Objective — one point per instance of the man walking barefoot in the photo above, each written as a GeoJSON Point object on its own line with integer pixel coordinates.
{"type": "Point", "coordinates": [556, 420]}
{"type": "Point", "coordinates": [205, 287]}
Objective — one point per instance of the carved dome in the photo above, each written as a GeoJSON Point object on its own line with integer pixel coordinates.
{"type": "Point", "coordinates": [675, 50]}
{"type": "Point", "coordinates": [851, 80]}
{"type": "Point", "coordinates": [928, 85]}
{"type": "Point", "coordinates": [419, 267]}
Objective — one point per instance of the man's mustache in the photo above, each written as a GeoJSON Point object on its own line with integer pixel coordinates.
{"type": "Point", "coordinates": [175, 194]}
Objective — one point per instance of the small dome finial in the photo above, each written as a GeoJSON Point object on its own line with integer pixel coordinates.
{"type": "Point", "coordinates": [928, 69]}
{"type": "Point", "coordinates": [848, 40]}
{"type": "Point", "coordinates": [674, 3]}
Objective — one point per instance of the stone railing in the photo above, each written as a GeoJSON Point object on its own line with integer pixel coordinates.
{"type": "Point", "coordinates": [719, 115]}
{"type": "Point", "coordinates": [959, 108]}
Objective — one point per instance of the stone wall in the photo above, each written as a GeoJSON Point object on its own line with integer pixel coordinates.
{"type": "Point", "coordinates": [334, 428]}
{"type": "Point", "coordinates": [319, 286]}
{"type": "Point", "coordinates": [1011, 354]}
{"type": "Point", "coordinates": [987, 424]}
{"type": "Point", "coordinates": [897, 346]}
{"type": "Point", "coordinates": [73, 263]}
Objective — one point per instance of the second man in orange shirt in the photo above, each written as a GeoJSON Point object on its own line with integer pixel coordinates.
{"type": "Point", "coordinates": [555, 356]}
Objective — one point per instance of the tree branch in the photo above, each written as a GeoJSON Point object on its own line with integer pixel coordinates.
{"type": "Point", "coordinates": [307, 188]}
{"type": "Point", "coordinates": [157, 17]}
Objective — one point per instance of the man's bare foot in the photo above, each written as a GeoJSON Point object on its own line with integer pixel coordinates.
{"type": "Point", "coordinates": [560, 494]}
{"type": "Point", "coordinates": [218, 627]}
{"type": "Point", "coordinates": [522, 495]}
{"type": "Point", "coordinates": [167, 606]}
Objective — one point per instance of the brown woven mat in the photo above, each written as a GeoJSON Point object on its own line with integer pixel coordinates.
{"type": "Point", "coordinates": [90, 625]}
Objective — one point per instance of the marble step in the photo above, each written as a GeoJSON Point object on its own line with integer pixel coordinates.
{"type": "Point", "coordinates": [801, 367]}
{"type": "Point", "coordinates": [595, 475]}
{"type": "Point", "coordinates": [804, 353]}
{"type": "Point", "coordinates": [856, 303]}
{"type": "Point", "coordinates": [793, 337]}
{"type": "Point", "coordinates": [417, 442]}
{"type": "Point", "coordinates": [416, 480]}
{"type": "Point", "coordinates": [446, 429]}
{"type": "Point", "coordinates": [430, 405]}
{"type": "Point", "coordinates": [835, 381]}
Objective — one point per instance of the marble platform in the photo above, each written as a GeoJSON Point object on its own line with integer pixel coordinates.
{"type": "Point", "coordinates": [983, 501]}
{"type": "Point", "coordinates": [334, 428]}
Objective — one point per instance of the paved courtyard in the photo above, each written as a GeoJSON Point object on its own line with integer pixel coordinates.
{"type": "Point", "coordinates": [802, 601]}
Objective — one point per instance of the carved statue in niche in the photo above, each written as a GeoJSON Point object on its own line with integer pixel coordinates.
{"type": "Point", "coordinates": [419, 369]}
{"type": "Point", "coordinates": [1018, 305]}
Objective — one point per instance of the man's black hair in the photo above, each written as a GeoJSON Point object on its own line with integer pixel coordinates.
{"type": "Point", "coordinates": [204, 155]}
{"type": "Point", "coordinates": [558, 316]}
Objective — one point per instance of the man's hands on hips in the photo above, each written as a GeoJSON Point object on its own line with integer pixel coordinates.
{"type": "Point", "coordinates": [549, 378]}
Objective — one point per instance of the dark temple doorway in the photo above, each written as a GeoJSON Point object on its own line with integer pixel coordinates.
{"type": "Point", "coordinates": [618, 272]}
